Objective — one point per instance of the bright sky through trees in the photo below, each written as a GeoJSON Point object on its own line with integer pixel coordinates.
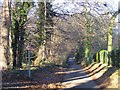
{"type": "Point", "coordinates": [113, 3]}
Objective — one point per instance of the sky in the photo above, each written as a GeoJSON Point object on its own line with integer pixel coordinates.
{"type": "Point", "coordinates": [112, 3]}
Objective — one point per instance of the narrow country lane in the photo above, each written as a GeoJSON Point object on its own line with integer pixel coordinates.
{"type": "Point", "coordinates": [77, 78]}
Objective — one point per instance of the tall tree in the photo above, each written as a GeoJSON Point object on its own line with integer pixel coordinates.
{"type": "Point", "coordinates": [110, 33]}
{"type": "Point", "coordinates": [44, 25]}
{"type": "Point", "coordinates": [5, 35]}
{"type": "Point", "coordinates": [19, 19]}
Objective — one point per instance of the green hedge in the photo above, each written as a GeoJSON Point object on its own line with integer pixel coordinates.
{"type": "Point", "coordinates": [115, 57]}
{"type": "Point", "coordinates": [101, 57]}
{"type": "Point", "coordinates": [110, 58]}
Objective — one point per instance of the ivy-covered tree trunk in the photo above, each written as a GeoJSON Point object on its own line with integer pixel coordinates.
{"type": "Point", "coordinates": [110, 40]}
{"type": "Point", "coordinates": [15, 39]}
{"type": "Point", "coordinates": [43, 24]}
{"type": "Point", "coordinates": [21, 47]}
{"type": "Point", "coordinates": [87, 50]}
{"type": "Point", "coordinates": [19, 18]}
{"type": "Point", "coordinates": [110, 35]}
{"type": "Point", "coordinates": [41, 29]}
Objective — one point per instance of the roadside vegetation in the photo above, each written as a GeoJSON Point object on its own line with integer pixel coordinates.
{"type": "Point", "coordinates": [38, 38]}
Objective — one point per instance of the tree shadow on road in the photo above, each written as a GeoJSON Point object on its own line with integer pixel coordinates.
{"type": "Point", "coordinates": [101, 81]}
{"type": "Point", "coordinates": [105, 78]}
{"type": "Point", "coordinates": [77, 71]}
{"type": "Point", "coordinates": [90, 66]}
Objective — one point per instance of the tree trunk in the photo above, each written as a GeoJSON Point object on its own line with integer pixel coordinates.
{"type": "Point", "coordinates": [21, 47]}
{"type": "Point", "coordinates": [5, 36]}
{"type": "Point", "coordinates": [9, 40]}
{"type": "Point", "coordinates": [44, 42]}
{"type": "Point", "coordinates": [110, 40]}
{"type": "Point", "coordinates": [41, 53]}
{"type": "Point", "coordinates": [119, 26]}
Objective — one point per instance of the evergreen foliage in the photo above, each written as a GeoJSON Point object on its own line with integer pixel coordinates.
{"type": "Point", "coordinates": [19, 18]}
